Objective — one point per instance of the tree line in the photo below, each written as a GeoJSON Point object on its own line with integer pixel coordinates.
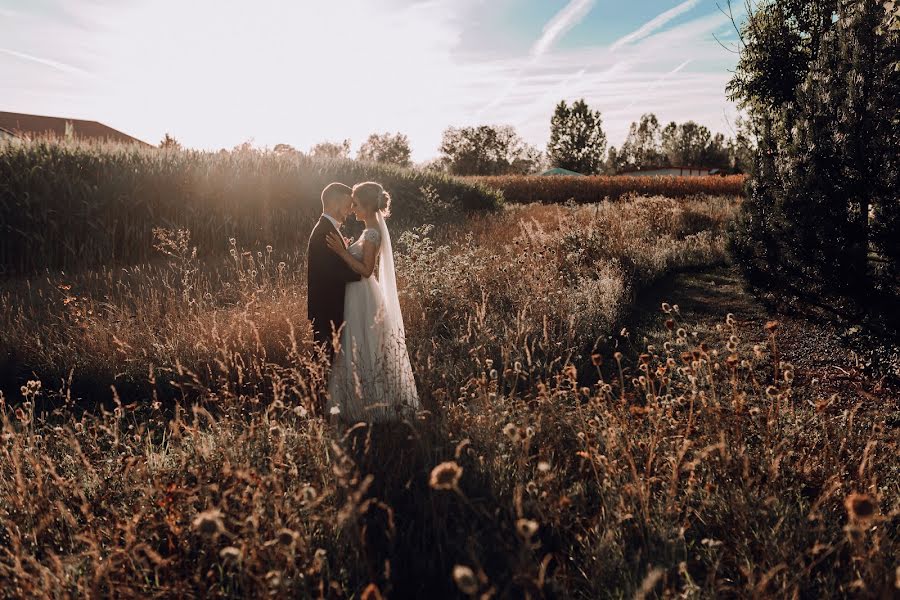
{"type": "Point", "coordinates": [577, 143]}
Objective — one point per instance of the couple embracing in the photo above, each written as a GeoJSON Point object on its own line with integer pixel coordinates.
{"type": "Point", "coordinates": [355, 310]}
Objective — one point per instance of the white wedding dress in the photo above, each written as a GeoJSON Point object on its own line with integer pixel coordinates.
{"type": "Point", "coordinates": [371, 378]}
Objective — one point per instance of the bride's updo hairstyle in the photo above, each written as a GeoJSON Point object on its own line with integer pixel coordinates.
{"type": "Point", "coordinates": [373, 197]}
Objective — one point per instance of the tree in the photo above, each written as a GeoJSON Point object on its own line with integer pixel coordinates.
{"type": "Point", "coordinates": [819, 83]}
{"type": "Point", "coordinates": [487, 150]}
{"type": "Point", "coordinates": [285, 149]}
{"type": "Point", "coordinates": [169, 143]}
{"type": "Point", "coordinates": [386, 148]}
{"type": "Point", "coordinates": [331, 150]}
{"type": "Point", "coordinates": [577, 141]}
{"type": "Point", "coordinates": [642, 148]}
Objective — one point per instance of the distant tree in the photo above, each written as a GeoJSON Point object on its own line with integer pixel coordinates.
{"type": "Point", "coordinates": [741, 148]}
{"type": "Point", "coordinates": [285, 149]}
{"type": "Point", "coordinates": [487, 150]}
{"type": "Point", "coordinates": [169, 143]}
{"type": "Point", "coordinates": [690, 144]}
{"type": "Point", "coordinates": [386, 148]}
{"type": "Point", "coordinates": [642, 148]}
{"type": "Point", "coordinates": [577, 141]}
{"type": "Point", "coordinates": [613, 162]}
{"type": "Point", "coordinates": [331, 150]}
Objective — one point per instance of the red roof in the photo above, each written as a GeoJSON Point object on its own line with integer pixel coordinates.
{"type": "Point", "coordinates": [36, 126]}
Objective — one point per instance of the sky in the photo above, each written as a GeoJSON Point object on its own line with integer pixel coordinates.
{"type": "Point", "coordinates": [217, 73]}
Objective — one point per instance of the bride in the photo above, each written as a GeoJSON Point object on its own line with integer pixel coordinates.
{"type": "Point", "coordinates": [371, 378]}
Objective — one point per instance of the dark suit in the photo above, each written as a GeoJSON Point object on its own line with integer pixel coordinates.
{"type": "Point", "coordinates": [326, 277]}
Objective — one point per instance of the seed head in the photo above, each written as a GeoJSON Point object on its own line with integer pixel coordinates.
{"type": "Point", "coordinates": [209, 522]}
{"type": "Point", "coordinates": [446, 476]}
{"type": "Point", "coordinates": [465, 580]}
{"type": "Point", "coordinates": [527, 528]}
{"type": "Point", "coordinates": [860, 507]}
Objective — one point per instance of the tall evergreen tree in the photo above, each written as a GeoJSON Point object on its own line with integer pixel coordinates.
{"type": "Point", "coordinates": [577, 141]}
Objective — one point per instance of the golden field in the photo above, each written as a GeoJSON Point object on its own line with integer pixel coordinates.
{"type": "Point", "coordinates": [161, 434]}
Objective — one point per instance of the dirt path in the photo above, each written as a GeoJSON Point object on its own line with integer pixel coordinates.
{"type": "Point", "coordinates": [820, 351]}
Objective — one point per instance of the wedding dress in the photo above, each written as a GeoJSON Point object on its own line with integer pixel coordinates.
{"type": "Point", "coordinates": [371, 378]}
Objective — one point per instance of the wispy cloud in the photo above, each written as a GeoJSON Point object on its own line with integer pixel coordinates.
{"type": "Point", "coordinates": [53, 64]}
{"type": "Point", "coordinates": [653, 85]}
{"type": "Point", "coordinates": [570, 16]}
{"type": "Point", "coordinates": [653, 24]}
{"type": "Point", "coordinates": [563, 21]}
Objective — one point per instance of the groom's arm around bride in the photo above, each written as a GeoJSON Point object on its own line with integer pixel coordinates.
{"type": "Point", "coordinates": [327, 273]}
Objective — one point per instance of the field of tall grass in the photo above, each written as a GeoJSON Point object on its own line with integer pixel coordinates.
{"type": "Point", "coordinates": [555, 189]}
{"type": "Point", "coordinates": [162, 433]}
{"type": "Point", "coordinates": [77, 205]}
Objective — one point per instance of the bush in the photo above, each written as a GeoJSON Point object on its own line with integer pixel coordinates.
{"type": "Point", "coordinates": [64, 206]}
{"type": "Point", "coordinates": [555, 189]}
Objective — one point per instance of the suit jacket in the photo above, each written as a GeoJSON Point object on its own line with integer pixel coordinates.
{"type": "Point", "coordinates": [326, 277]}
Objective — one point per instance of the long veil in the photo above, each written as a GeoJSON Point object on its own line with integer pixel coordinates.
{"type": "Point", "coordinates": [393, 318]}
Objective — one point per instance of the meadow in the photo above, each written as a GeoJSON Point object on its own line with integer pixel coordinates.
{"type": "Point", "coordinates": [161, 430]}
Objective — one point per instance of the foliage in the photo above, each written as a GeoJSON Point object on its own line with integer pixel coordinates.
{"type": "Point", "coordinates": [642, 148]}
{"type": "Point", "coordinates": [65, 206]}
{"type": "Point", "coordinates": [691, 144]}
{"type": "Point", "coordinates": [650, 146]}
{"type": "Point", "coordinates": [386, 148]}
{"type": "Point", "coordinates": [577, 141]}
{"type": "Point", "coordinates": [331, 150]}
{"type": "Point", "coordinates": [818, 82]}
{"type": "Point", "coordinates": [169, 143]}
{"type": "Point", "coordinates": [486, 150]}
{"type": "Point", "coordinates": [559, 189]}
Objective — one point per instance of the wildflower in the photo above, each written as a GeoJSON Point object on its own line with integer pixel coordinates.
{"type": "Point", "coordinates": [789, 376]}
{"type": "Point", "coordinates": [334, 410]}
{"type": "Point", "coordinates": [529, 432]}
{"type": "Point", "coordinates": [771, 326]}
{"type": "Point", "coordinates": [670, 324]}
{"type": "Point", "coordinates": [860, 507]}
{"type": "Point", "coordinates": [300, 411]}
{"type": "Point", "coordinates": [729, 319]}
{"type": "Point", "coordinates": [488, 362]}
{"type": "Point", "coordinates": [596, 359]}
{"type": "Point", "coordinates": [771, 391]}
{"type": "Point", "coordinates": [681, 332]}
{"type": "Point", "coordinates": [675, 309]}
{"type": "Point", "coordinates": [209, 522]}
{"type": "Point", "coordinates": [527, 528]}
{"type": "Point", "coordinates": [269, 249]}
{"type": "Point", "coordinates": [465, 580]}
{"type": "Point", "coordinates": [617, 356]}
{"type": "Point", "coordinates": [517, 366]}
{"type": "Point", "coordinates": [666, 307]}
{"type": "Point", "coordinates": [446, 476]}
{"type": "Point", "coordinates": [543, 466]}
{"type": "Point", "coordinates": [493, 373]}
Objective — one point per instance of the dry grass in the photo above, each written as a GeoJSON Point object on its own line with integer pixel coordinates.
{"type": "Point", "coordinates": [555, 189]}
{"type": "Point", "coordinates": [539, 469]}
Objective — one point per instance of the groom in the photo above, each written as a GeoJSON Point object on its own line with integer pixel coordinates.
{"type": "Point", "coordinates": [327, 274]}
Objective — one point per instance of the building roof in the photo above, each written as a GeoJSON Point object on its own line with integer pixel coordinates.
{"type": "Point", "coordinates": [33, 125]}
{"type": "Point", "coordinates": [561, 171]}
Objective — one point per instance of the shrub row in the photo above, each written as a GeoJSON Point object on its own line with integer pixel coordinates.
{"type": "Point", "coordinates": [554, 189]}
{"type": "Point", "coordinates": [70, 205]}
